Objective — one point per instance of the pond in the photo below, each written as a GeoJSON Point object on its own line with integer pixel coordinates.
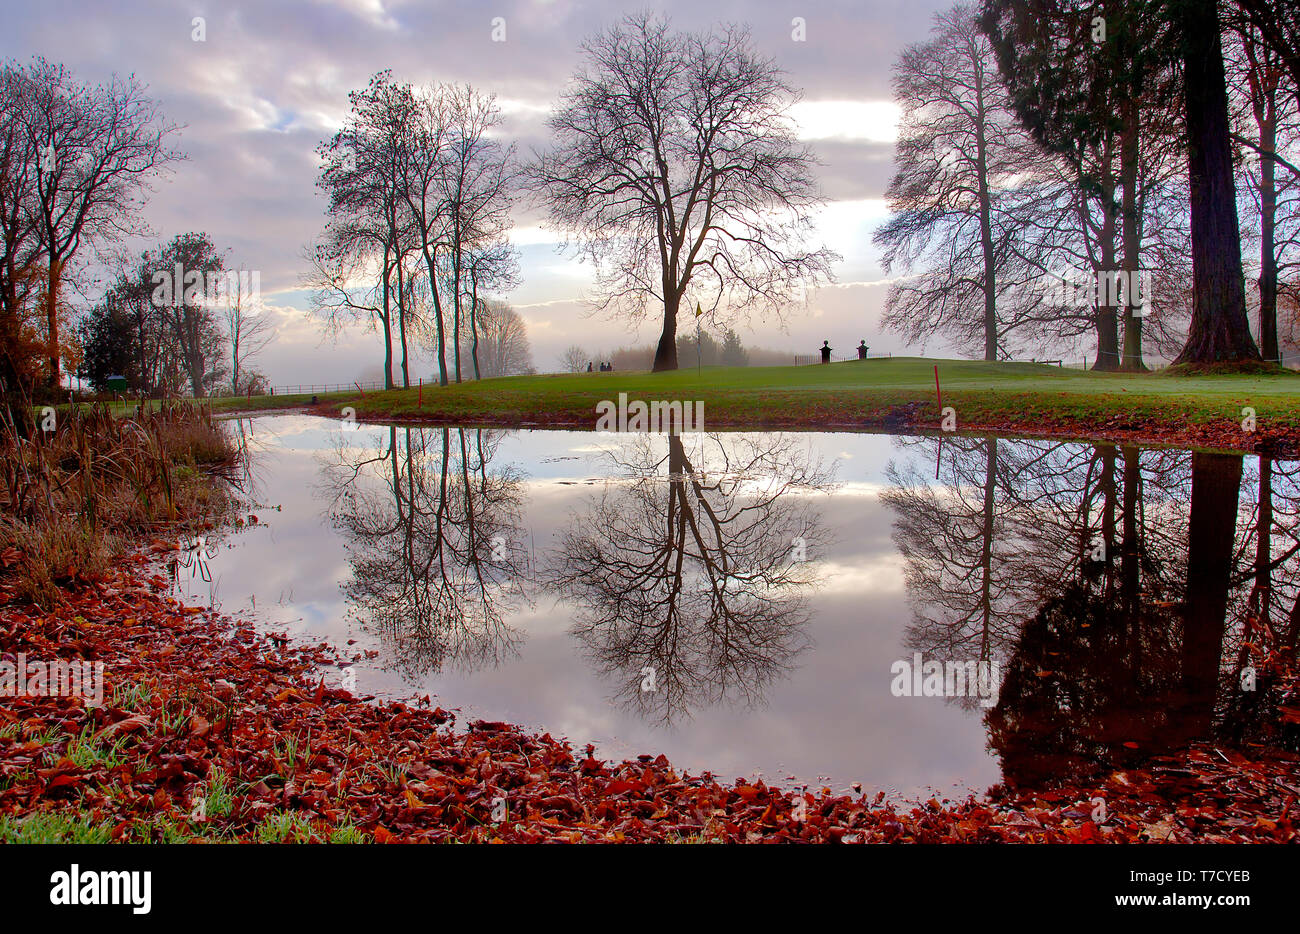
{"type": "Point", "coordinates": [920, 615]}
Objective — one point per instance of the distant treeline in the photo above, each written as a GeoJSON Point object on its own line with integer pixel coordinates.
{"type": "Point", "coordinates": [729, 351]}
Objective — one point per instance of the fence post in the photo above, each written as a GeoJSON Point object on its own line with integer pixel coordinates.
{"type": "Point", "coordinates": [419, 404]}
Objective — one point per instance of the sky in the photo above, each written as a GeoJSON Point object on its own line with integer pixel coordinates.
{"type": "Point", "coordinates": [270, 80]}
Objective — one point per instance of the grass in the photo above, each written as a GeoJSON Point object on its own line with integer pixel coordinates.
{"type": "Point", "coordinates": [854, 394]}
{"type": "Point", "coordinates": [80, 827]}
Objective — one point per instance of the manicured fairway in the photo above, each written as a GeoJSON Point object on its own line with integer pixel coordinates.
{"type": "Point", "coordinates": [894, 392]}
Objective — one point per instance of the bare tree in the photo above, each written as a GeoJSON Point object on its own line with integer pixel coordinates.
{"type": "Point", "coordinates": [96, 147]}
{"type": "Point", "coordinates": [675, 168]}
{"type": "Point", "coordinates": [248, 331]}
{"type": "Point", "coordinates": [1261, 97]}
{"type": "Point", "coordinates": [360, 176]}
{"type": "Point", "coordinates": [504, 348]}
{"type": "Point", "coordinates": [959, 152]}
{"type": "Point", "coordinates": [574, 359]}
{"type": "Point", "coordinates": [478, 180]}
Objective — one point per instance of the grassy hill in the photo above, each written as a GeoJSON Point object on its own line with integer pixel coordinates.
{"type": "Point", "coordinates": [895, 393]}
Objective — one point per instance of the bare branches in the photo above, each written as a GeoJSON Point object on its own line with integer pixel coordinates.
{"type": "Point", "coordinates": [675, 167]}
{"type": "Point", "coordinates": [420, 192]}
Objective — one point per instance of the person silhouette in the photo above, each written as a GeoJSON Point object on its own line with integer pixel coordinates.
{"type": "Point", "coordinates": [862, 350]}
{"type": "Point", "coordinates": [826, 351]}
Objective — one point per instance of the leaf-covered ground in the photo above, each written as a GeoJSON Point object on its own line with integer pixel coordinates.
{"type": "Point", "coordinates": [210, 731]}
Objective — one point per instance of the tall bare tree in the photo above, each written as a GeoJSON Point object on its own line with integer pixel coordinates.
{"type": "Point", "coordinates": [503, 341]}
{"type": "Point", "coordinates": [958, 152]}
{"type": "Point", "coordinates": [248, 330]}
{"type": "Point", "coordinates": [675, 168]}
{"type": "Point", "coordinates": [478, 182]}
{"type": "Point", "coordinates": [1268, 126]}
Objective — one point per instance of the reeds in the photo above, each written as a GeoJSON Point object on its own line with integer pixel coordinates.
{"type": "Point", "coordinates": [74, 491]}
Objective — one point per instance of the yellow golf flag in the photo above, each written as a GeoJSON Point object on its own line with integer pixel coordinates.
{"type": "Point", "coordinates": [698, 310]}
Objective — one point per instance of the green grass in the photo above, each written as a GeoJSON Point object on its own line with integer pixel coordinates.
{"type": "Point", "coordinates": [53, 828]}
{"type": "Point", "coordinates": [854, 394]}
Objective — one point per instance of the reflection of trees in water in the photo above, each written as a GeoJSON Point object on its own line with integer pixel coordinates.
{"type": "Point", "coordinates": [957, 545]}
{"type": "Point", "coordinates": [434, 543]}
{"type": "Point", "coordinates": [694, 561]}
{"type": "Point", "coordinates": [1122, 613]}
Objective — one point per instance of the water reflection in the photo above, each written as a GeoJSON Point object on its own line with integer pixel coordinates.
{"type": "Point", "coordinates": [689, 570]}
{"type": "Point", "coordinates": [537, 576]}
{"type": "Point", "coordinates": [1126, 622]}
{"type": "Point", "coordinates": [435, 548]}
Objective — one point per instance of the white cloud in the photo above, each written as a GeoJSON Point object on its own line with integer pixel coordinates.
{"type": "Point", "coordinates": [875, 121]}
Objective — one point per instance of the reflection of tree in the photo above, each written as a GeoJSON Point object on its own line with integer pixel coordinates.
{"type": "Point", "coordinates": [698, 573]}
{"type": "Point", "coordinates": [433, 540]}
{"type": "Point", "coordinates": [1082, 682]}
{"type": "Point", "coordinates": [955, 543]}
{"type": "Point", "coordinates": [1119, 609]}
{"type": "Point", "coordinates": [1100, 676]}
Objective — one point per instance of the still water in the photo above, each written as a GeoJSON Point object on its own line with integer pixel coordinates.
{"type": "Point", "coordinates": [754, 604]}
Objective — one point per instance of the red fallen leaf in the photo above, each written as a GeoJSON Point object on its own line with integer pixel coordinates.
{"type": "Point", "coordinates": [383, 834]}
{"type": "Point", "coordinates": [1290, 714]}
{"type": "Point", "coordinates": [620, 785]}
{"type": "Point", "coordinates": [562, 803]}
{"type": "Point", "coordinates": [133, 724]}
{"type": "Point", "coordinates": [1131, 745]}
{"type": "Point", "coordinates": [62, 781]}
{"type": "Point", "coordinates": [1088, 833]}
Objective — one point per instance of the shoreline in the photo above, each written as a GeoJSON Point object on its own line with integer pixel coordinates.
{"type": "Point", "coordinates": [1225, 437]}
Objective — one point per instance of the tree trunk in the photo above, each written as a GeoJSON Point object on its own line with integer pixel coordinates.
{"type": "Point", "coordinates": [986, 226]}
{"type": "Point", "coordinates": [1219, 330]}
{"type": "Point", "coordinates": [401, 322]}
{"type": "Point", "coordinates": [387, 317]}
{"type": "Point", "coordinates": [1130, 554]}
{"type": "Point", "coordinates": [988, 514]}
{"type": "Point", "coordinates": [1128, 170]}
{"type": "Point", "coordinates": [430, 261]}
{"type": "Point", "coordinates": [473, 330]}
{"type": "Point", "coordinates": [666, 352]}
{"type": "Point", "coordinates": [1216, 484]}
{"type": "Point", "coordinates": [1267, 224]}
{"type": "Point", "coordinates": [1263, 591]}
{"type": "Point", "coordinates": [1107, 320]}
{"type": "Point", "coordinates": [52, 319]}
